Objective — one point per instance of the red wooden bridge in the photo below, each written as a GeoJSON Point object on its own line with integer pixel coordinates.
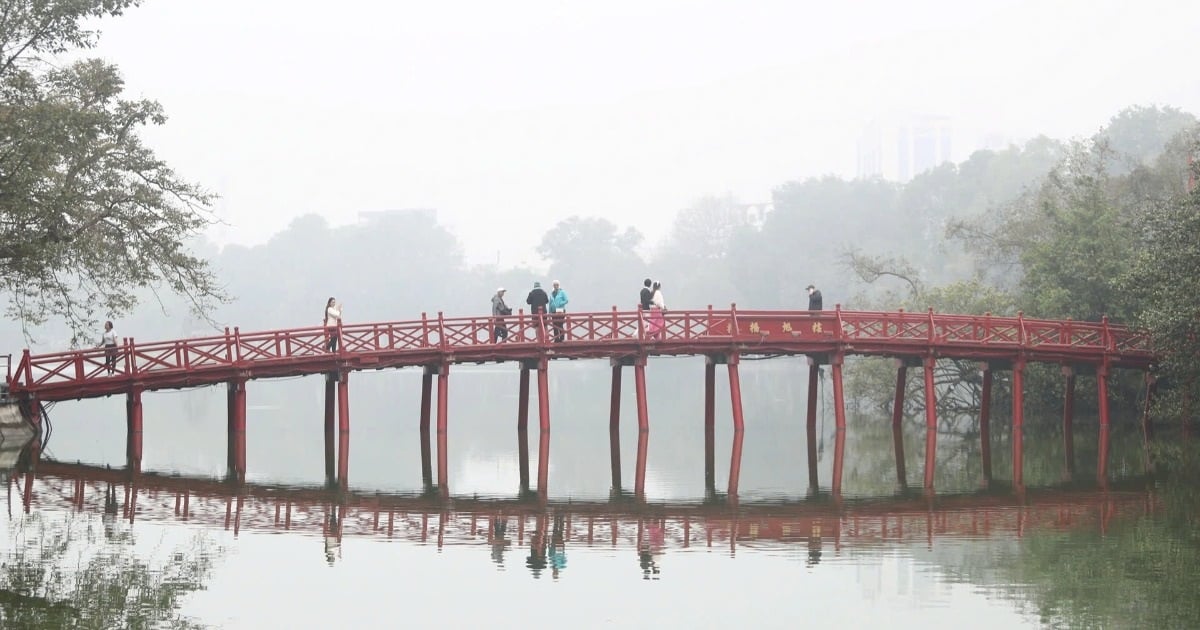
{"type": "Point", "coordinates": [624, 338]}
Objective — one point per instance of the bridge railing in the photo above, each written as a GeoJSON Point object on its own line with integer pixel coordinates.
{"type": "Point", "coordinates": [897, 330]}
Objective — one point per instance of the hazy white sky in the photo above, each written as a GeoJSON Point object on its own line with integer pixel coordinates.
{"type": "Point", "coordinates": [509, 116]}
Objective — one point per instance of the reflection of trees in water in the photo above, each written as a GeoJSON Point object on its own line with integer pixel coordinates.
{"type": "Point", "coordinates": [81, 571]}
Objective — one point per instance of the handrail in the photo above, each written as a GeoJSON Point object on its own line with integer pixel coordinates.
{"type": "Point", "coordinates": [902, 331]}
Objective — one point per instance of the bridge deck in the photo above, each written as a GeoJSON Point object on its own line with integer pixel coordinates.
{"type": "Point", "coordinates": [612, 335]}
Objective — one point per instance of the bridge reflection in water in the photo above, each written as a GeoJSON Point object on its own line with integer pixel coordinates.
{"type": "Point", "coordinates": [822, 520]}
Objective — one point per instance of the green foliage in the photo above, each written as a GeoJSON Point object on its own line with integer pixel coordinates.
{"type": "Point", "coordinates": [88, 214]}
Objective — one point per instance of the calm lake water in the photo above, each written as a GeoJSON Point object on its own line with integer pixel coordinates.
{"type": "Point", "coordinates": [178, 546]}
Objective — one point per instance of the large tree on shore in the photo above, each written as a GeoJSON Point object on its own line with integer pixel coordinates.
{"type": "Point", "coordinates": [88, 214]}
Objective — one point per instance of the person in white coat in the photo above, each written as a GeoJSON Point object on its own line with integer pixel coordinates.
{"type": "Point", "coordinates": [333, 323]}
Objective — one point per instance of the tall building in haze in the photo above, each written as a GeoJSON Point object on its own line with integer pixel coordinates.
{"type": "Point", "coordinates": [900, 148]}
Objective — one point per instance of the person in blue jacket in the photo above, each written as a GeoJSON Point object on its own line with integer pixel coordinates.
{"type": "Point", "coordinates": [558, 311]}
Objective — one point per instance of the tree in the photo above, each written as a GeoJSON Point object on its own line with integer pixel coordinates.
{"type": "Point", "coordinates": [88, 214]}
{"type": "Point", "coordinates": [695, 257]}
{"type": "Point", "coordinates": [599, 264]}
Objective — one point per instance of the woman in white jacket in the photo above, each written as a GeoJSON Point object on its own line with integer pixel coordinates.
{"type": "Point", "coordinates": [657, 306]}
{"type": "Point", "coordinates": [333, 323]}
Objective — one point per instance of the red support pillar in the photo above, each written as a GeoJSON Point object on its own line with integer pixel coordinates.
{"type": "Point", "coordinates": [614, 457]}
{"type": "Point", "coordinates": [543, 466]}
{"type": "Point", "coordinates": [1069, 417]}
{"type": "Point", "coordinates": [839, 457]}
{"type": "Point", "coordinates": [343, 428]}
{"type": "Point", "coordinates": [898, 402]}
{"type": "Point", "coordinates": [839, 402]}
{"type": "Point", "coordinates": [543, 395]}
{"type": "Point", "coordinates": [523, 399]}
{"type": "Point", "coordinates": [443, 411]}
{"type": "Point", "coordinates": [236, 464]}
{"type": "Point", "coordinates": [930, 421]}
{"type": "Point", "coordinates": [735, 467]}
{"type": "Point", "coordinates": [813, 482]}
{"type": "Point", "coordinates": [614, 399]}
{"type": "Point", "coordinates": [426, 407]}
{"type": "Point", "coordinates": [639, 474]}
{"type": "Point", "coordinates": [1102, 395]}
{"type": "Point", "coordinates": [330, 406]}
{"type": "Point", "coordinates": [639, 381]}
{"type": "Point", "coordinates": [134, 450]}
{"type": "Point", "coordinates": [814, 386]}
{"type": "Point", "coordinates": [1018, 426]}
{"type": "Point", "coordinates": [985, 430]}
{"type": "Point", "coordinates": [523, 459]}
{"type": "Point", "coordinates": [710, 413]}
{"type": "Point", "coordinates": [735, 392]}
{"type": "Point", "coordinates": [898, 446]}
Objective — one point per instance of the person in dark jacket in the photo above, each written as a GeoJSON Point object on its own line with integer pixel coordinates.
{"type": "Point", "coordinates": [647, 294]}
{"type": "Point", "coordinates": [814, 298]}
{"type": "Point", "coordinates": [537, 301]}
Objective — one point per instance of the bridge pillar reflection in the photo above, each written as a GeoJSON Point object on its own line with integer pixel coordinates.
{"type": "Point", "coordinates": [1068, 420]}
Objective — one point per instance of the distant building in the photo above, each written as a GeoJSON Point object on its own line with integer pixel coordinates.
{"type": "Point", "coordinates": [900, 149]}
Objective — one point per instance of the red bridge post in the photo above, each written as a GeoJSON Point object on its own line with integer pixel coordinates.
{"type": "Point", "coordinates": [839, 402]}
{"type": "Point", "coordinates": [133, 407]}
{"type": "Point", "coordinates": [1102, 394]}
{"type": "Point", "coordinates": [1018, 423]}
{"type": "Point", "coordinates": [523, 460]}
{"type": "Point", "coordinates": [901, 383]}
{"type": "Point", "coordinates": [236, 464]}
{"type": "Point", "coordinates": [523, 397]}
{"type": "Point", "coordinates": [898, 446]}
{"type": "Point", "coordinates": [839, 458]}
{"type": "Point", "coordinates": [427, 373]}
{"type": "Point", "coordinates": [639, 473]}
{"type": "Point", "coordinates": [343, 426]}
{"type": "Point", "coordinates": [735, 391]}
{"type": "Point", "coordinates": [543, 466]}
{"type": "Point", "coordinates": [710, 413]}
{"type": "Point", "coordinates": [735, 468]}
{"type": "Point", "coordinates": [614, 420]}
{"type": "Point", "coordinates": [443, 411]}
{"type": "Point", "coordinates": [930, 420]}
{"type": "Point", "coordinates": [985, 422]}
{"type": "Point", "coordinates": [639, 382]}
{"type": "Point", "coordinates": [543, 394]}
{"type": "Point", "coordinates": [1069, 418]}
{"type": "Point", "coordinates": [814, 387]}
{"type": "Point", "coordinates": [330, 422]}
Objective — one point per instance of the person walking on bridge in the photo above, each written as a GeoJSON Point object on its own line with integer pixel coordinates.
{"type": "Point", "coordinates": [646, 295]}
{"type": "Point", "coordinates": [657, 307]}
{"type": "Point", "coordinates": [537, 301]}
{"type": "Point", "coordinates": [558, 312]}
{"type": "Point", "coordinates": [499, 310]}
{"type": "Point", "coordinates": [814, 298]}
{"type": "Point", "coordinates": [108, 339]}
{"type": "Point", "coordinates": [333, 323]}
